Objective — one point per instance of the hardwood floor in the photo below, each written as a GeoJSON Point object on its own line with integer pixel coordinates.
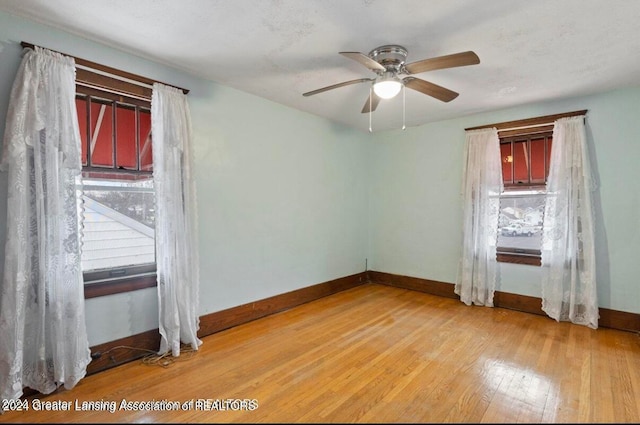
{"type": "Point", "coordinates": [378, 354]}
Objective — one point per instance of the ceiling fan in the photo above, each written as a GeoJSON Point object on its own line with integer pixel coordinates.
{"type": "Point", "coordinates": [388, 62]}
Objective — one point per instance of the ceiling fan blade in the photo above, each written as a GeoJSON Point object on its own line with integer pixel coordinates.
{"type": "Point", "coordinates": [364, 60]}
{"type": "Point", "coordinates": [335, 86]}
{"type": "Point", "coordinates": [371, 104]}
{"type": "Point", "coordinates": [430, 89]}
{"type": "Point", "coordinates": [441, 62]}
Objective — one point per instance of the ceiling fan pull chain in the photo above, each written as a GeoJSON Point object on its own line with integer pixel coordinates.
{"type": "Point", "coordinates": [403, 108]}
{"type": "Point", "coordinates": [370, 109]}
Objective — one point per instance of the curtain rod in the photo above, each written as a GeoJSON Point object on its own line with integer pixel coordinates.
{"type": "Point", "coordinates": [529, 122]}
{"type": "Point", "coordinates": [108, 71]}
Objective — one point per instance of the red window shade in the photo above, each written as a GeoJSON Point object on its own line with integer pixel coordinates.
{"type": "Point", "coordinates": [525, 159]}
{"type": "Point", "coordinates": [126, 148]}
{"type": "Point", "coordinates": [146, 154]}
{"type": "Point", "coordinates": [520, 162]}
{"type": "Point", "coordinates": [538, 169]}
{"type": "Point", "coordinates": [507, 162]}
{"type": "Point", "coordinates": [101, 145]}
{"type": "Point", "coordinates": [114, 135]}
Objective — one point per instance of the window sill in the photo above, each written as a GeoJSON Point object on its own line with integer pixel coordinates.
{"type": "Point", "coordinates": [117, 286]}
{"type": "Point", "coordinates": [531, 260]}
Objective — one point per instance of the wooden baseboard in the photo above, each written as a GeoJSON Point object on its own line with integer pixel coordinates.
{"type": "Point", "coordinates": [621, 320]}
{"type": "Point", "coordinates": [612, 319]}
{"type": "Point", "coordinates": [114, 353]}
{"type": "Point", "coordinates": [215, 322]}
{"type": "Point", "coordinates": [416, 284]}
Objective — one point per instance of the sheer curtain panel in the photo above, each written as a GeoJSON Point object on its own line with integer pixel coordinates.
{"type": "Point", "coordinates": [568, 252]}
{"type": "Point", "coordinates": [176, 220]}
{"type": "Point", "coordinates": [481, 188]}
{"type": "Point", "coordinates": [43, 339]}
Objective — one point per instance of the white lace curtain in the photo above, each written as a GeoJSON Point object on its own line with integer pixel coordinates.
{"type": "Point", "coordinates": [43, 339]}
{"type": "Point", "coordinates": [481, 188]}
{"type": "Point", "coordinates": [176, 220]}
{"type": "Point", "coordinates": [568, 252]}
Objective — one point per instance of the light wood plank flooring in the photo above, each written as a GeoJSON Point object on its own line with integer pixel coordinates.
{"type": "Point", "coordinates": [379, 354]}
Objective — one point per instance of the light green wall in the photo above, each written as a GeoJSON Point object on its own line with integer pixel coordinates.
{"type": "Point", "coordinates": [415, 205]}
{"type": "Point", "coordinates": [282, 198]}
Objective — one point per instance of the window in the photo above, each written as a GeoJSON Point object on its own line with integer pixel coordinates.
{"type": "Point", "coordinates": [118, 243]}
{"type": "Point", "coordinates": [525, 168]}
{"type": "Point", "coordinates": [525, 151]}
{"type": "Point", "coordinates": [114, 117]}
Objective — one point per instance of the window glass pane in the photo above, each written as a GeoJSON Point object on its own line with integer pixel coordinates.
{"type": "Point", "coordinates": [118, 223]}
{"type": "Point", "coordinates": [81, 108]}
{"type": "Point", "coordinates": [538, 169]}
{"type": "Point", "coordinates": [101, 146]}
{"type": "Point", "coordinates": [520, 222]}
{"type": "Point", "coordinates": [126, 137]}
{"type": "Point", "coordinates": [520, 162]}
{"type": "Point", "coordinates": [507, 162]}
{"type": "Point", "coordinates": [146, 155]}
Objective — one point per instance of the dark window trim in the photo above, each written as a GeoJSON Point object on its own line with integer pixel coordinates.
{"type": "Point", "coordinates": [531, 260]}
{"type": "Point", "coordinates": [116, 173]}
{"type": "Point", "coordinates": [116, 286]}
{"type": "Point", "coordinates": [529, 131]}
{"type": "Point", "coordinates": [114, 97]}
{"type": "Point", "coordinates": [516, 187]}
{"type": "Point", "coordinates": [119, 273]}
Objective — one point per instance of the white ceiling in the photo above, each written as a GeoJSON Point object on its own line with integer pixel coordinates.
{"type": "Point", "coordinates": [529, 50]}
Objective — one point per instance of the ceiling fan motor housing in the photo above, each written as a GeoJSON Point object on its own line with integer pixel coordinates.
{"type": "Point", "coordinates": [391, 56]}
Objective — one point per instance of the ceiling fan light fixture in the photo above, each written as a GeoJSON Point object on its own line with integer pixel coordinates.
{"type": "Point", "coordinates": [387, 86]}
